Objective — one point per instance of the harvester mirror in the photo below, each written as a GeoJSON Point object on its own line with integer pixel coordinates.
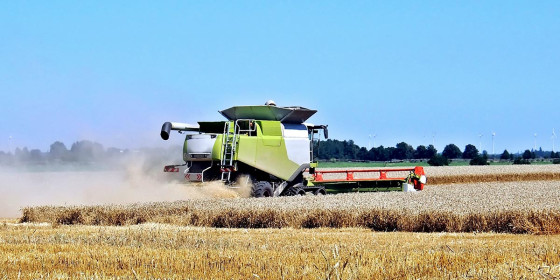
{"type": "Point", "coordinates": [326, 131]}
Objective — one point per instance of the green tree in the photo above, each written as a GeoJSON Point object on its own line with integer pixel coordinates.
{"type": "Point", "coordinates": [505, 155]}
{"type": "Point", "coordinates": [420, 152]}
{"type": "Point", "coordinates": [362, 154]}
{"type": "Point", "coordinates": [86, 151]}
{"type": "Point", "coordinates": [527, 154]}
{"type": "Point", "coordinates": [35, 156]}
{"type": "Point", "coordinates": [480, 160]}
{"type": "Point", "coordinates": [379, 154]}
{"type": "Point", "coordinates": [470, 152]}
{"type": "Point", "coordinates": [438, 160]}
{"type": "Point", "coordinates": [58, 151]}
{"type": "Point", "coordinates": [403, 151]}
{"type": "Point", "coordinates": [451, 151]}
{"type": "Point", "coordinates": [431, 151]}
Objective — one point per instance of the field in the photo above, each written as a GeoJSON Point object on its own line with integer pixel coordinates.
{"type": "Point", "coordinates": [496, 228]}
{"type": "Point", "coordinates": [512, 207]}
{"type": "Point", "coordinates": [156, 251]}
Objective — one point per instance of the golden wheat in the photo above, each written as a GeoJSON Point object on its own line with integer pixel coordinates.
{"type": "Point", "coordinates": [155, 251]}
{"type": "Point", "coordinates": [495, 173]}
{"type": "Point", "coordinates": [518, 207]}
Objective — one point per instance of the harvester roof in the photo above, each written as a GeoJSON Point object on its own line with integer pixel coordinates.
{"type": "Point", "coordinates": [292, 114]}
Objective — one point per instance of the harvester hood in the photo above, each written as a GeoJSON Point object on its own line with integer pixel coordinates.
{"type": "Point", "coordinates": [269, 113]}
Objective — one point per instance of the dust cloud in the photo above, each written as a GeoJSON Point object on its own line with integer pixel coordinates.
{"type": "Point", "coordinates": [130, 182]}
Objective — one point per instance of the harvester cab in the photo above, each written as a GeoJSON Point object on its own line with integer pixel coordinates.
{"type": "Point", "coordinates": [269, 146]}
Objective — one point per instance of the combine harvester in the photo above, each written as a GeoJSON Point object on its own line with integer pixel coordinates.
{"type": "Point", "coordinates": [272, 148]}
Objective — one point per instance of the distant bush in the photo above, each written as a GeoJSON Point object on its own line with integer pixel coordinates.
{"type": "Point", "coordinates": [556, 161]}
{"type": "Point", "coordinates": [521, 161]}
{"type": "Point", "coordinates": [438, 160]}
{"type": "Point", "coordinates": [479, 160]}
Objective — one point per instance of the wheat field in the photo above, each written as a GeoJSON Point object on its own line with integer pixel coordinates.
{"type": "Point", "coordinates": [156, 251]}
{"type": "Point", "coordinates": [512, 207]}
{"type": "Point", "coordinates": [343, 236]}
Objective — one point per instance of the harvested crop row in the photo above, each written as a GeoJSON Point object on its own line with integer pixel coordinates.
{"type": "Point", "coordinates": [480, 178]}
{"type": "Point", "coordinates": [518, 207]}
{"type": "Point", "coordinates": [490, 169]}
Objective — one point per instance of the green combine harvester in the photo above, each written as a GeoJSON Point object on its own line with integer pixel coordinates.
{"type": "Point", "coordinates": [272, 148]}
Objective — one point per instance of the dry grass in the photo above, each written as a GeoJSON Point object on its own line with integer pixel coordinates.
{"type": "Point", "coordinates": [153, 251]}
{"type": "Point", "coordinates": [520, 207]}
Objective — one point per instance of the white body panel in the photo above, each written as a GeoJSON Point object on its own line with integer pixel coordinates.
{"type": "Point", "coordinates": [297, 142]}
{"type": "Point", "coordinates": [199, 147]}
{"type": "Point", "coordinates": [184, 126]}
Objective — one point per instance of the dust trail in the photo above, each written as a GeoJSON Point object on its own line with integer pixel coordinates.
{"type": "Point", "coordinates": [129, 183]}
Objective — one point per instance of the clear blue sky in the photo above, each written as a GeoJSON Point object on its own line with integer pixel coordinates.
{"type": "Point", "coordinates": [114, 71]}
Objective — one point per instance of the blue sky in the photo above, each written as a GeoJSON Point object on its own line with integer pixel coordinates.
{"type": "Point", "coordinates": [418, 71]}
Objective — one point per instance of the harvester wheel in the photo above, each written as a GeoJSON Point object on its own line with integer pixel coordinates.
{"type": "Point", "coordinates": [294, 190]}
{"type": "Point", "coordinates": [320, 191]}
{"type": "Point", "coordinates": [262, 189]}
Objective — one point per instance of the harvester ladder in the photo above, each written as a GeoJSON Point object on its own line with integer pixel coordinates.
{"type": "Point", "coordinates": [230, 139]}
{"type": "Point", "coordinates": [229, 143]}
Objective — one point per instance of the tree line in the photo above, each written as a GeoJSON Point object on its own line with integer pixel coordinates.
{"type": "Point", "coordinates": [88, 151]}
{"type": "Point", "coordinates": [80, 152]}
{"type": "Point", "coordinates": [347, 150]}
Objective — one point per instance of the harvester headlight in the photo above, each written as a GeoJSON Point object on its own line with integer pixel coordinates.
{"type": "Point", "coordinates": [423, 179]}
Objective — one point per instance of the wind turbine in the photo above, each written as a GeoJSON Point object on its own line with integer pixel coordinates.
{"type": "Point", "coordinates": [553, 137]}
{"type": "Point", "coordinates": [374, 139]}
{"type": "Point", "coordinates": [535, 146]}
{"type": "Point", "coordinates": [433, 139]}
{"type": "Point", "coordinates": [480, 142]}
{"type": "Point", "coordinates": [369, 143]}
{"type": "Point", "coordinates": [493, 135]}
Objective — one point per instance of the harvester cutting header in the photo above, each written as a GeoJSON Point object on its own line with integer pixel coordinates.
{"type": "Point", "coordinates": [272, 148]}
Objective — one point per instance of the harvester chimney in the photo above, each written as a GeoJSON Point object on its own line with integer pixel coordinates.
{"type": "Point", "coordinates": [165, 129]}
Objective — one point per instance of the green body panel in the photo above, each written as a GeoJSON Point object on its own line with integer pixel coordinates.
{"type": "Point", "coordinates": [270, 133]}
{"type": "Point", "coordinates": [265, 151]}
{"type": "Point", "coordinates": [247, 150]}
{"type": "Point", "coordinates": [216, 155]}
{"type": "Point", "coordinates": [185, 158]}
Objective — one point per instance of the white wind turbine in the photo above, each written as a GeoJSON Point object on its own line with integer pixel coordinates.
{"type": "Point", "coordinates": [493, 135]}
{"type": "Point", "coordinates": [535, 145]}
{"type": "Point", "coordinates": [553, 138]}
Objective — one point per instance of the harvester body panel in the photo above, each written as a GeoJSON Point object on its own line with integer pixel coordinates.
{"type": "Point", "coordinates": [276, 148]}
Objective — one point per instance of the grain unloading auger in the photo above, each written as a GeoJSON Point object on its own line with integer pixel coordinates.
{"type": "Point", "coordinates": [271, 147]}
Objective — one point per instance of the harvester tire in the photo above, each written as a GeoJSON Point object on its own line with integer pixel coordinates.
{"type": "Point", "coordinates": [294, 190]}
{"type": "Point", "coordinates": [320, 191]}
{"type": "Point", "coordinates": [262, 189]}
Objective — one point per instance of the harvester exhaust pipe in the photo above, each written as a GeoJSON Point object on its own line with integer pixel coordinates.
{"type": "Point", "coordinates": [165, 130]}
{"type": "Point", "coordinates": [168, 126]}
